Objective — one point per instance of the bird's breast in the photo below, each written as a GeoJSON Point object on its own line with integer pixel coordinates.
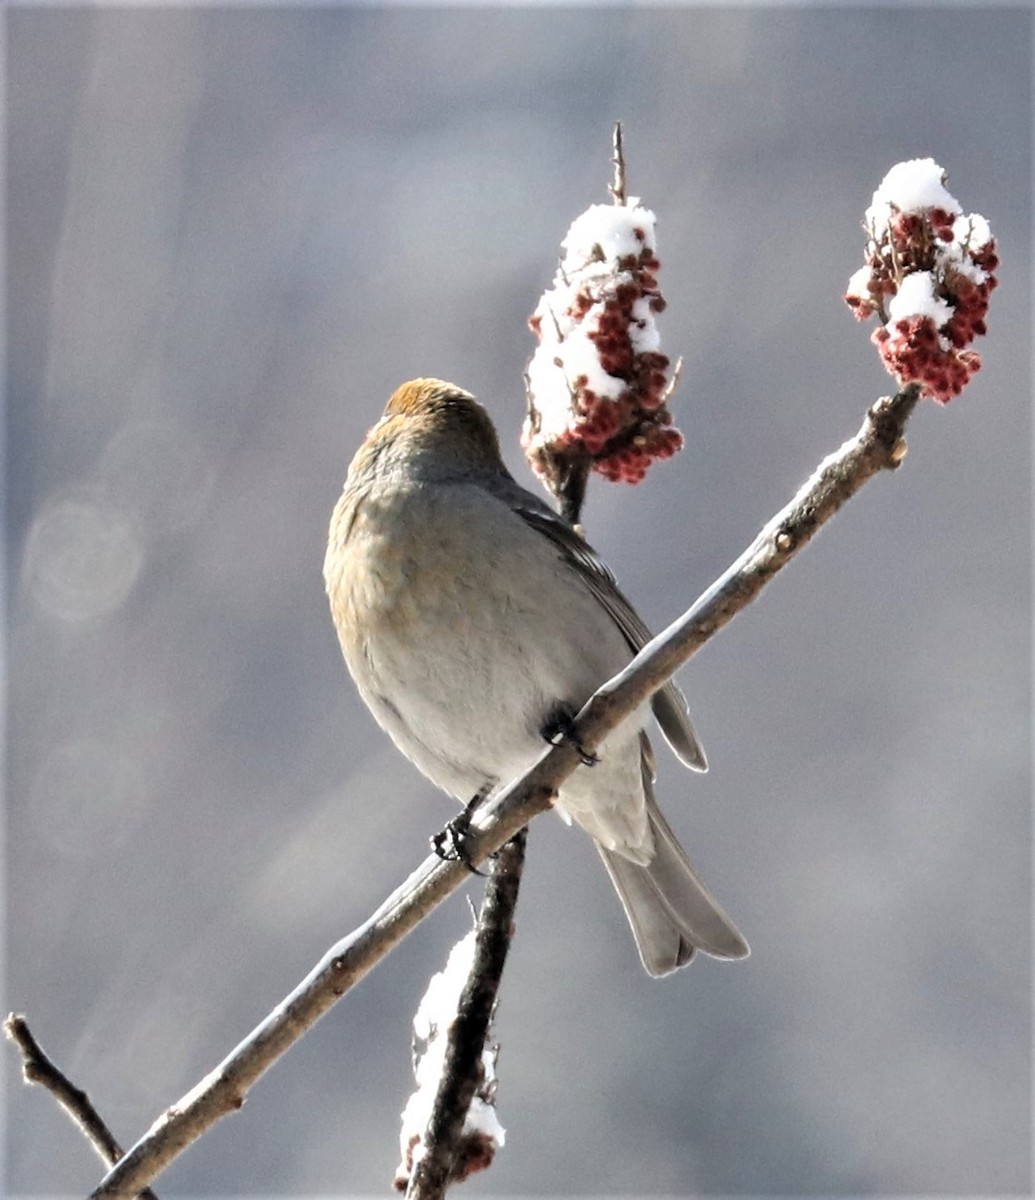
{"type": "Point", "coordinates": [462, 626]}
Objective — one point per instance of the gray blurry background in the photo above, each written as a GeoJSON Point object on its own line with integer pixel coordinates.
{"type": "Point", "coordinates": [230, 235]}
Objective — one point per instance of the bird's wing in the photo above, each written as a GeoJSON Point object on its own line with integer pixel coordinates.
{"type": "Point", "coordinates": [668, 703]}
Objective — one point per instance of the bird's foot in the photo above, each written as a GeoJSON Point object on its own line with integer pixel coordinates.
{"type": "Point", "coordinates": [450, 843]}
{"type": "Point", "coordinates": [560, 727]}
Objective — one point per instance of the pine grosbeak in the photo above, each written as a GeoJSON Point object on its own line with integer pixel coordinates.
{"type": "Point", "coordinates": [471, 615]}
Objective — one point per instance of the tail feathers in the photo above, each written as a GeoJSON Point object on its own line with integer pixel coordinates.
{"type": "Point", "coordinates": [671, 912]}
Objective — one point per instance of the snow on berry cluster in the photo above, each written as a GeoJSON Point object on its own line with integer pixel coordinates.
{"type": "Point", "coordinates": [928, 277]}
{"type": "Point", "coordinates": [598, 383]}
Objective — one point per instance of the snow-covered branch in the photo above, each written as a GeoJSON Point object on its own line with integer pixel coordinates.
{"type": "Point", "coordinates": [450, 1128]}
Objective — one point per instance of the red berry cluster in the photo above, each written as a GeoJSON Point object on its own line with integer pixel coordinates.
{"type": "Point", "coordinates": [912, 348]}
{"type": "Point", "coordinates": [971, 309]}
{"type": "Point", "coordinates": [914, 354]}
{"type": "Point", "coordinates": [622, 435]}
{"type": "Point", "coordinates": [629, 465]}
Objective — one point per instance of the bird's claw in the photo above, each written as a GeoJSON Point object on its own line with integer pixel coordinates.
{"type": "Point", "coordinates": [560, 728]}
{"type": "Point", "coordinates": [450, 843]}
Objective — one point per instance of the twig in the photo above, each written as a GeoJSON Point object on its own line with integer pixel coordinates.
{"type": "Point", "coordinates": [879, 445]}
{"type": "Point", "coordinates": [444, 1158]}
{"type": "Point", "coordinates": [38, 1068]}
{"type": "Point", "coordinates": [617, 186]}
{"type": "Point", "coordinates": [673, 383]}
{"type": "Point", "coordinates": [569, 486]}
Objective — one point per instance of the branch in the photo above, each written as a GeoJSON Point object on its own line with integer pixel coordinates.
{"type": "Point", "coordinates": [450, 1153]}
{"type": "Point", "coordinates": [879, 445]}
{"type": "Point", "coordinates": [38, 1068]}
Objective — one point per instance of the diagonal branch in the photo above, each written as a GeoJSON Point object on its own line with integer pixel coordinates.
{"type": "Point", "coordinates": [879, 445]}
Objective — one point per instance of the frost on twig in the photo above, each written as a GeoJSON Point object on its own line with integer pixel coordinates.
{"type": "Point", "coordinates": [929, 274]}
{"type": "Point", "coordinates": [478, 1132]}
{"type": "Point", "coordinates": [461, 1133]}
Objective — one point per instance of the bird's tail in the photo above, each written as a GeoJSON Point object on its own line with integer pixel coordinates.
{"type": "Point", "coordinates": [671, 912]}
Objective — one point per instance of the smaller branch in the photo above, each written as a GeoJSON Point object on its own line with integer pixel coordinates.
{"type": "Point", "coordinates": [38, 1068]}
{"type": "Point", "coordinates": [570, 489]}
{"type": "Point", "coordinates": [617, 186]}
{"type": "Point", "coordinates": [673, 382]}
{"type": "Point", "coordinates": [449, 1154]}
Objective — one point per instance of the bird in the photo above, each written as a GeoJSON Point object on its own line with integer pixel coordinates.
{"type": "Point", "coordinates": [474, 621]}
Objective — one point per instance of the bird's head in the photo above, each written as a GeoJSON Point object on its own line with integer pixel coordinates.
{"type": "Point", "coordinates": [430, 429]}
